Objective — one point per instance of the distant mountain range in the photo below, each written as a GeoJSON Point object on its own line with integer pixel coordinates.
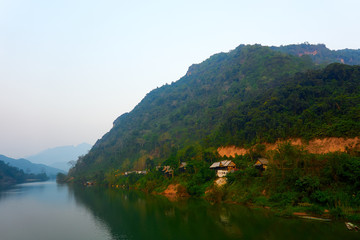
{"type": "Point", "coordinates": [29, 167]}
{"type": "Point", "coordinates": [59, 157]}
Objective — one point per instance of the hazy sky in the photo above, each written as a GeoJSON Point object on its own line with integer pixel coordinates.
{"type": "Point", "coordinates": [69, 68]}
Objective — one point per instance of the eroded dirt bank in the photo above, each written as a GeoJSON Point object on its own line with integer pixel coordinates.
{"type": "Point", "coordinates": [175, 191]}
{"type": "Point", "coordinates": [317, 146]}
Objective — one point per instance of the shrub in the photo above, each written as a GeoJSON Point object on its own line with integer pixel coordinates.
{"type": "Point", "coordinates": [321, 197]}
{"type": "Point", "coordinates": [215, 194]}
{"type": "Point", "coordinates": [195, 190]}
{"type": "Point", "coordinates": [316, 209]}
{"type": "Point", "coordinates": [284, 199]}
{"type": "Point", "coordinates": [261, 201]}
{"type": "Point", "coordinates": [337, 213]}
{"type": "Point", "coordinates": [234, 176]}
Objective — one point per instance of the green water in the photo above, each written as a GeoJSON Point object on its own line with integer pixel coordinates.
{"type": "Point", "coordinates": [50, 211]}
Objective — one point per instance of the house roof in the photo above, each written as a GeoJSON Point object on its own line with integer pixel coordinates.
{"type": "Point", "coordinates": [261, 161]}
{"type": "Point", "coordinates": [224, 163]}
{"type": "Point", "coordinates": [183, 164]}
{"type": "Point", "coordinates": [167, 169]}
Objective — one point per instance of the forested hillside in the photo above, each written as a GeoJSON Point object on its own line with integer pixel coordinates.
{"type": "Point", "coordinates": [11, 175]}
{"type": "Point", "coordinates": [315, 104]}
{"type": "Point", "coordinates": [188, 110]}
{"type": "Point", "coordinates": [251, 94]}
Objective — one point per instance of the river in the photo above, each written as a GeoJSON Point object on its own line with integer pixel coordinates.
{"type": "Point", "coordinates": [49, 211]}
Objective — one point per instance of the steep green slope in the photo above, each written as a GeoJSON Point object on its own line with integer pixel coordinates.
{"type": "Point", "coordinates": [322, 103]}
{"type": "Point", "coordinates": [188, 110]}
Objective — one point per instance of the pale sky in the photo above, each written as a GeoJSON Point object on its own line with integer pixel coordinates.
{"type": "Point", "coordinates": [69, 68]}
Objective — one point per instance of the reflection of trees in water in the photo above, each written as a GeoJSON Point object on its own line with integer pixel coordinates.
{"type": "Point", "coordinates": [134, 215]}
{"type": "Point", "coordinates": [21, 190]}
{"type": "Point", "coordinates": [141, 216]}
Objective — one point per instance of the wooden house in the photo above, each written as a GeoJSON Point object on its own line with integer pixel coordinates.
{"type": "Point", "coordinates": [182, 167]}
{"type": "Point", "coordinates": [136, 172]}
{"type": "Point", "coordinates": [168, 171]}
{"type": "Point", "coordinates": [261, 163]}
{"type": "Point", "coordinates": [223, 167]}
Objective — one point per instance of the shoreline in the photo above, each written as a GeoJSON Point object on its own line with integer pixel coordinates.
{"type": "Point", "coordinates": [286, 212]}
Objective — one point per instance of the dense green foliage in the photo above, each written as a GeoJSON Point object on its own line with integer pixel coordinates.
{"type": "Point", "coordinates": [309, 105]}
{"type": "Point", "coordinates": [195, 178]}
{"type": "Point", "coordinates": [12, 175]}
{"type": "Point", "coordinates": [299, 181]}
{"type": "Point", "coordinates": [294, 181]}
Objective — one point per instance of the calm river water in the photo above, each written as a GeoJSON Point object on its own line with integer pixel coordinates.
{"type": "Point", "coordinates": [48, 211]}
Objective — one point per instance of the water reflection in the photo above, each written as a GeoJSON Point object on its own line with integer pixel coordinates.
{"type": "Point", "coordinates": [21, 190]}
{"type": "Point", "coordinates": [49, 211]}
{"type": "Point", "coordinates": [134, 215]}
{"type": "Point", "coordinates": [42, 211]}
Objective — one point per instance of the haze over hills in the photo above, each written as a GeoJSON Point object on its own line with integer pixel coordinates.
{"type": "Point", "coordinates": [59, 157]}
{"type": "Point", "coordinates": [29, 167]}
{"type": "Point", "coordinates": [250, 94]}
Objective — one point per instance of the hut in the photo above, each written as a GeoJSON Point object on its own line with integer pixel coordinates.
{"type": "Point", "coordinates": [223, 167]}
{"type": "Point", "coordinates": [168, 171]}
{"type": "Point", "coordinates": [261, 163]}
{"type": "Point", "coordinates": [182, 167]}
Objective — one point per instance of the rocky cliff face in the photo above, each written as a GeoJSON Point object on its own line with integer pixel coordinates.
{"type": "Point", "coordinates": [320, 54]}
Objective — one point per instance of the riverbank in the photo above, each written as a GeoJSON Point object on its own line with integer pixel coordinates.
{"type": "Point", "coordinates": [293, 181]}
{"type": "Point", "coordinates": [173, 190]}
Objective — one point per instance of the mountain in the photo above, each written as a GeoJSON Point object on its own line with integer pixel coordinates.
{"type": "Point", "coordinates": [29, 167]}
{"type": "Point", "coordinates": [59, 157]}
{"type": "Point", "coordinates": [250, 94]}
{"type": "Point", "coordinates": [65, 166]}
